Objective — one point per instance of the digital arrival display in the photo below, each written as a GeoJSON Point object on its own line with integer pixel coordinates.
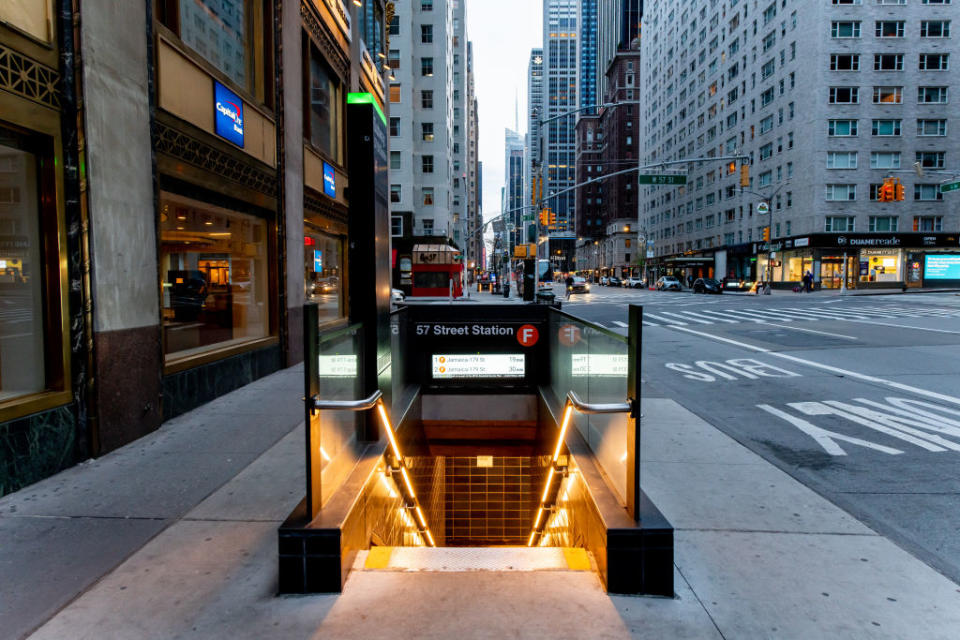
{"type": "Point", "coordinates": [479, 365]}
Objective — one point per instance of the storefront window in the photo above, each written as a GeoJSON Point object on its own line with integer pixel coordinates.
{"type": "Point", "coordinates": [219, 30]}
{"type": "Point", "coordinates": [214, 277]}
{"type": "Point", "coordinates": [879, 265]}
{"type": "Point", "coordinates": [325, 113]}
{"type": "Point", "coordinates": [22, 339]}
{"type": "Point", "coordinates": [322, 273]}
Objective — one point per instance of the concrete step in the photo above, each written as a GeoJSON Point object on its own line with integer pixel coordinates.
{"type": "Point", "coordinates": [463, 559]}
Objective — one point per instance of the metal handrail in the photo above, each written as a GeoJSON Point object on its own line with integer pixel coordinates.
{"type": "Point", "coordinates": [585, 407]}
{"type": "Point", "coordinates": [348, 405]}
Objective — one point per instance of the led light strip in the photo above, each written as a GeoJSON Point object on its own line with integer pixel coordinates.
{"type": "Point", "coordinates": [424, 532]}
{"type": "Point", "coordinates": [567, 414]}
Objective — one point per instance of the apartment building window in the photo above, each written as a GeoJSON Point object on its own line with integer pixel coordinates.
{"type": "Point", "coordinates": [394, 127]}
{"type": "Point", "coordinates": [845, 29]}
{"type": "Point", "coordinates": [766, 124]}
{"type": "Point", "coordinates": [888, 28]}
{"type": "Point", "coordinates": [396, 226]}
{"type": "Point", "coordinates": [847, 1]}
{"type": "Point", "coordinates": [841, 192]}
{"type": "Point", "coordinates": [841, 160]}
{"type": "Point", "coordinates": [932, 127]}
{"type": "Point", "coordinates": [395, 193]}
{"type": "Point", "coordinates": [844, 62]}
{"type": "Point", "coordinates": [326, 111]}
{"type": "Point", "coordinates": [932, 95]}
{"type": "Point", "coordinates": [935, 29]}
{"type": "Point", "coordinates": [886, 128]}
{"type": "Point", "coordinates": [394, 160]}
{"type": "Point", "coordinates": [884, 223]}
{"type": "Point", "coordinates": [426, 99]}
{"type": "Point", "coordinates": [426, 132]}
{"type": "Point", "coordinates": [842, 128]}
{"type": "Point", "coordinates": [394, 28]}
{"type": "Point", "coordinates": [766, 178]}
{"type": "Point", "coordinates": [394, 93]}
{"type": "Point", "coordinates": [931, 159]}
{"type": "Point", "coordinates": [766, 97]}
{"type": "Point", "coordinates": [426, 5]}
{"type": "Point", "coordinates": [427, 193]}
{"type": "Point", "coordinates": [839, 224]}
{"type": "Point", "coordinates": [426, 67]}
{"type": "Point", "coordinates": [393, 59]}
{"type": "Point", "coordinates": [928, 192]}
{"type": "Point", "coordinates": [789, 204]}
{"type": "Point", "coordinates": [766, 151]}
{"type": "Point", "coordinates": [927, 223]}
{"type": "Point", "coordinates": [887, 95]}
{"type": "Point", "coordinates": [426, 33]}
{"type": "Point", "coordinates": [768, 69]}
{"type": "Point", "coordinates": [885, 160]}
{"type": "Point", "coordinates": [844, 95]}
{"type": "Point", "coordinates": [888, 62]}
{"type": "Point", "coordinates": [934, 61]}
{"type": "Point", "coordinates": [426, 164]}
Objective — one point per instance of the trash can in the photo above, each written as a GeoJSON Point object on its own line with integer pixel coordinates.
{"type": "Point", "coordinates": [506, 289]}
{"type": "Point", "coordinates": [547, 297]}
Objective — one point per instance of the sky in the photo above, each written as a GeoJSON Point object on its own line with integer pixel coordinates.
{"type": "Point", "coordinates": [503, 32]}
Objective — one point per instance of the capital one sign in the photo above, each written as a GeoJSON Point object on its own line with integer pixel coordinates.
{"type": "Point", "coordinates": [228, 114]}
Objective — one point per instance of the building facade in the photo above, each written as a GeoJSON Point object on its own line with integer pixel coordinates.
{"type": "Point", "coordinates": [513, 189]}
{"type": "Point", "coordinates": [826, 101]}
{"type": "Point", "coordinates": [618, 28]}
{"type": "Point", "coordinates": [535, 111]}
{"type": "Point", "coordinates": [166, 259]}
{"type": "Point", "coordinates": [430, 128]}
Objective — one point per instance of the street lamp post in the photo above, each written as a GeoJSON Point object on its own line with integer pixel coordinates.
{"type": "Point", "coordinates": [768, 200]}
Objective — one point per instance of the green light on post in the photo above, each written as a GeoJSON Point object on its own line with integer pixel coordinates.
{"type": "Point", "coordinates": [366, 98]}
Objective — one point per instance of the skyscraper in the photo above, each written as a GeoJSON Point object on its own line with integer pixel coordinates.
{"type": "Point", "coordinates": [534, 113]}
{"type": "Point", "coordinates": [513, 187]}
{"type": "Point", "coordinates": [618, 26]}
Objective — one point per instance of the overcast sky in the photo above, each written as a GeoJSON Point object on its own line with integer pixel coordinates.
{"type": "Point", "coordinates": [503, 32]}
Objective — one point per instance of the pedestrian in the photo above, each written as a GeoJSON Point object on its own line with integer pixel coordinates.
{"type": "Point", "coordinates": [689, 282]}
{"type": "Point", "coordinates": [808, 281]}
{"type": "Point", "coordinates": [569, 283]}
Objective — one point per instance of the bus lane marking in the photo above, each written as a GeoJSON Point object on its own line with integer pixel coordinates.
{"type": "Point", "coordinates": [748, 368]}
{"type": "Point", "coordinates": [826, 367]}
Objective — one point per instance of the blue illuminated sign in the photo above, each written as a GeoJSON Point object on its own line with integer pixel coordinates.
{"type": "Point", "coordinates": [942, 266]}
{"type": "Point", "coordinates": [228, 114]}
{"type": "Point", "coordinates": [318, 260]}
{"type": "Point", "coordinates": [329, 181]}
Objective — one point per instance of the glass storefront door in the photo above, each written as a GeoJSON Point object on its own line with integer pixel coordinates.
{"type": "Point", "coordinates": [832, 272]}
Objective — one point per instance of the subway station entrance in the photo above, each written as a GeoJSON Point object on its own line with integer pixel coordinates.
{"type": "Point", "coordinates": [508, 426]}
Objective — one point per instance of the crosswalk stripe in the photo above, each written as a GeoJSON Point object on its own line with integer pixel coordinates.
{"type": "Point", "coordinates": [769, 315]}
{"type": "Point", "coordinates": [739, 315]}
{"type": "Point", "coordinates": [621, 324]}
{"type": "Point", "coordinates": [665, 320]}
{"type": "Point", "coordinates": [682, 317]}
{"type": "Point", "coordinates": [650, 324]}
{"type": "Point", "coordinates": [713, 315]}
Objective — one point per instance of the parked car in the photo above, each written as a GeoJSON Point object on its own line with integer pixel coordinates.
{"type": "Point", "coordinates": [579, 286]}
{"type": "Point", "coordinates": [604, 281]}
{"type": "Point", "coordinates": [707, 285]}
{"type": "Point", "coordinates": [635, 282]}
{"type": "Point", "coordinates": [667, 283]}
{"type": "Point", "coordinates": [614, 281]}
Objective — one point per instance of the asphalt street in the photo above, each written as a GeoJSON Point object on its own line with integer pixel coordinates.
{"type": "Point", "coordinates": [858, 397]}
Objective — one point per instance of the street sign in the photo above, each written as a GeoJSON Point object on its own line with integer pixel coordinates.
{"type": "Point", "coordinates": [663, 179]}
{"type": "Point", "coordinates": [950, 186]}
{"type": "Point", "coordinates": [763, 207]}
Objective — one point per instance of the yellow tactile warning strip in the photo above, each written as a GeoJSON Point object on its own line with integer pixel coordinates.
{"type": "Point", "coordinates": [577, 559]}
{"type": "Point", "coordinates": [378, 558]}
{"type": "Point", "coordinates": [476, 559]}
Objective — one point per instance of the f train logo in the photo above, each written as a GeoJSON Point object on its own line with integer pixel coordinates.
{"type": "Point", "coordinates": [228, 114]}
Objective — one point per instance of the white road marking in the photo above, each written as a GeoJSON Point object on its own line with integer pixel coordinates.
{"type": "Point", "coordinates": [904, 326]}
{"type": "Point", "coordinates": [717, 316]}
{"type": "Point", "coordinates": [669, 321]}
{"type": "Point", "coordinates": [623, 324]}
{"type": "Point", "coordinates": [822, 333]}
{"type": "Point", "coordinates": [826, 438]}
{"type": "Point", "coordinates": [844, 372]}
{"type": "Point", "coordinates": [677, 315]}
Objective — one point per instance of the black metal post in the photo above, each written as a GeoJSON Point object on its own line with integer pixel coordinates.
{"type": "Point", "coordinates": [635, 351]}
{"type": "Point", "coordinates": [311, 387]}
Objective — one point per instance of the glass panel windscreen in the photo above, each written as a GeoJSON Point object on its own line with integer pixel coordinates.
{"type": "Point", "coordinates": [339, 378]}
{"type": "Point", "coordinates": [592, 362]}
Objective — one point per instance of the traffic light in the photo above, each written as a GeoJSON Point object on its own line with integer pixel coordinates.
{"type": "Point", "coordinates": [897, 190]}
{"type": "Point", "coordinates": [553, 218]}
{"type": "Point", "coordinates": [744, 175]}
{"type": "Point", "coordinates": [544, 217]}
{"type": "Point", "coordinates": [888, 192]}
{"type": "Point", "coordinates": [731, 167]}
{"type": "Point", "coordinates": [766, 234]}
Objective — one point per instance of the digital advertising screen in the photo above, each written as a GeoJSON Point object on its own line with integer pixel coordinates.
{"type": "Point", "coordinates": [941, 266]}
{"type": "Point", "coordinates": [478, 365]}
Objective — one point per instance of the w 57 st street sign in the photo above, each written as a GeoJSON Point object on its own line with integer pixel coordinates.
{"type": "Point", "coordinates": [950, 186]}
{"type": "Point", "coordinates": [663, 178]}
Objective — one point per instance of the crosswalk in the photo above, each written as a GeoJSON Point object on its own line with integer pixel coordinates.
{"type": "Point", "coordinates": [784, 315]}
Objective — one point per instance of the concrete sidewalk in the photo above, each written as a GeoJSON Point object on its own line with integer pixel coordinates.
{"type": "Point", "coordinates": [174, 536]}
